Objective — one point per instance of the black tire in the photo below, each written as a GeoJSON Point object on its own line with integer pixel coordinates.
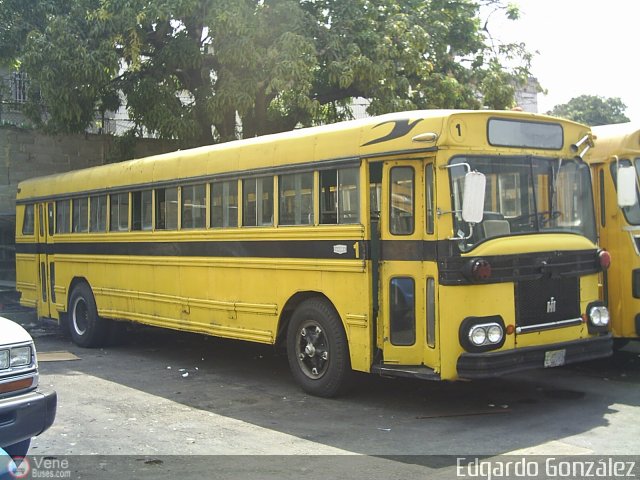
{"type": "Point", "coordinates": [18, 450]}
{"type": "Point", "coordinates": [317, 349]}
{"type": "Point", "coordinates": [86, 327]}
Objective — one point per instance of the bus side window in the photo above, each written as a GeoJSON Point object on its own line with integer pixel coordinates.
{"type": "Point", "coordinates": [296, 199]}
{"type": "Point", "coordinates": [339, 196]}
{"type": "Point", "coordinates": [28, 220]}
{"type": "Point", "coordinates": [119, 212]}
{"type": "Point", "coordinates": [194, 206]}
{"type": "Point", "coordinates": [141, 210]}
{"type": "Point", "coordinates": [167, 209]}
{"type": "Point", "coordinates": [224, 204]}
{"type": "Point", "coordinates": [80, 221]}
{"type": "Point", "coordinates": [98, 213]}
{"type": "Point", "coordinates": [257, 201]}
{"type": "Point", "coordinates": [63, 217]}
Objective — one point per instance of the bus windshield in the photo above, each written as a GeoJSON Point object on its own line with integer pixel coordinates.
{"type": "Point", "coordinates": [525, 195]}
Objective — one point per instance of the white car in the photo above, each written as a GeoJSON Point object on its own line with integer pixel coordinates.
{"type": "Point", "coordinates": [25, 411]}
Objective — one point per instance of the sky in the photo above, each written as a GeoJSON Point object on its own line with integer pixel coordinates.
{"type": "Point", "coordinates": [586, 47]}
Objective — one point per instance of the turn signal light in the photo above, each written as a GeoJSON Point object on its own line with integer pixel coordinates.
{"type": "Point", "coordinates": [16, 385]}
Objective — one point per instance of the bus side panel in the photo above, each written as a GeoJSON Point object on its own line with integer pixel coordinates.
{"type": "Point", "coordinates": [229, 297]}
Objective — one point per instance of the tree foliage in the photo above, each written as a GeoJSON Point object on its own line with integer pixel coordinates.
{"type": "Point", "coordinates": [188, 69]}
{"type": "Point", "coordinates": [592, 110]}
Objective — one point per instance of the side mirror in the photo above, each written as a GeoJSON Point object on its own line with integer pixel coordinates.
{"type": "Point", "coordinates": [473, 199]}
{"type": "Point", "coordinates": [626, 186]}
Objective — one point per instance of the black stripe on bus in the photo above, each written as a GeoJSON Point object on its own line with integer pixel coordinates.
{"type": "Point", "coordinates": [451, 265]}
{"type": "Point", "coordinates": [303, 249]}
{"type": "Point", "coordinates": [391, 250]}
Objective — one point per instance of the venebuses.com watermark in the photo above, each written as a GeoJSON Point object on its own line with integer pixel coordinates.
{"type": "Point", "coordinates": [36, 467]}
{"type": "Point", "coordinates": [546, 467]}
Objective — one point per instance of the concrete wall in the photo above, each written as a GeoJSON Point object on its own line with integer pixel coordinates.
{"type": "Point", "coordinates": [26, 153]}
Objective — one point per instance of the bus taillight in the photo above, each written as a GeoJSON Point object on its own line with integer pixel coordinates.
{"type": "Point", "coordinates": [604, 258]}
{"type": "Point", "coordinates": [479, 270]}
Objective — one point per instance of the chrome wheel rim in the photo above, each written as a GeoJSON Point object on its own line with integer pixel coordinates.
{"type": "Point", "coordinates": [312, 350]}
{"type": "Point", "coordinates": [80, 316]}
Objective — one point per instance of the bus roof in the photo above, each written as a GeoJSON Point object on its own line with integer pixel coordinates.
{"type": "Point", "coordinates": [366, 138]}
{"type": "Point", "coordinates": [617, 139]}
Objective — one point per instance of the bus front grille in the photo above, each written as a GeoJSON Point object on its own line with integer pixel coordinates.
{"type": "Point", "coordinates": [547, 300]}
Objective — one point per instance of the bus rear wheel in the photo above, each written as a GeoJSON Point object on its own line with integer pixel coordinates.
{"type": "Point", "coordinates": [317, 349]}
{"type": "Point", "coordinates": [86, 327]}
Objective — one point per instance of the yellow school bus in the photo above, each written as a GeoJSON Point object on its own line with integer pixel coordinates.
{"type": "Point", "coordinates": [430, 244]}
{"type": "Point", "coordinates": [617, 152]}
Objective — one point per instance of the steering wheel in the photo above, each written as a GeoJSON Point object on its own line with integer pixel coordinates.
{"type": "Point", "coordinates": [543, 218]}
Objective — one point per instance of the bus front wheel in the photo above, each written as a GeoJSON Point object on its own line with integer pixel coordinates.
{"type": "Point", "coordinates": [317, 349]}
{"type": "Point", "coordinates": [86, 327]}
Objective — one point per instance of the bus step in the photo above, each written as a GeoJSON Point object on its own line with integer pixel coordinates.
{"type": "Point", "coordinates": [422, 372]}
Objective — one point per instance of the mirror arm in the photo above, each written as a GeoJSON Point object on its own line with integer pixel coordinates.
{"type": "Point", "coordinates": [464, 238]}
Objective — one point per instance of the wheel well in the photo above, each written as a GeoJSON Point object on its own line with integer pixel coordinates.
{"type": "Point", "coordinates": [75, 282]}
{"type": "Point", "coordinates": [290, 307]}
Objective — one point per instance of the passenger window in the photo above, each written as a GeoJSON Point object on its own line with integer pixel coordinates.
{"type": "Point", "coordinates": [224, 204]}
{"type": "Point", "coordinates": [257, 207]}
{"type": "Point", "coordinates": [401, 203]}
{"type": "Point", "coordinates": [296, 199]}
{"type": "Point", "coordinates": [98, 214]}
{"type": "Point", "coordinates": [63, 216]}
{"type": "Point", "coordinates": [119, 212]}
{"type": "Point", "coordinates": [167, 209]}
{"type": "Point", "coordinates": [141, 210]}
{"type": "Point", "coordinates": [339, 196]}
{"type": "Point", "coordinates": [28, 220]}
{"type": "Point", "coordinates": [80, 222]}
{"type": "Point", "coordinates": [194, 206]}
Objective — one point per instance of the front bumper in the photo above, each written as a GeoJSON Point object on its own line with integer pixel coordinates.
{"type": "Point", "coordinates": [494, 364]}
{"type": "Point", "coordinates": [25, 416]}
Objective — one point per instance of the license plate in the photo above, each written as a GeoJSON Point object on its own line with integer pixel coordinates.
{"type": "Point", "coordinates": [554, 358]}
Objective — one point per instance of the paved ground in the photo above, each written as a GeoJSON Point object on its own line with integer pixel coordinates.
{"type": "Point", "coordinates": [163, 393]}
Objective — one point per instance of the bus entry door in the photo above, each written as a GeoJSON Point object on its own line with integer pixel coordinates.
{"type": "Point", "coordinates": [404, 272]}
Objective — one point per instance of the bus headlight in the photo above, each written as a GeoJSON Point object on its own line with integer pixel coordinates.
{"type": "Point", "coordinates": [479, 334]}
{"type": "Point", "coordinates": [598, 316]}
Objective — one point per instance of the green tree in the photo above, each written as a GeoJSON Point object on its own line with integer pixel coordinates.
{"type": "Point", "coordinates": [188, 69]}
{"type": "Point", "coordinates": [592, 110]}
